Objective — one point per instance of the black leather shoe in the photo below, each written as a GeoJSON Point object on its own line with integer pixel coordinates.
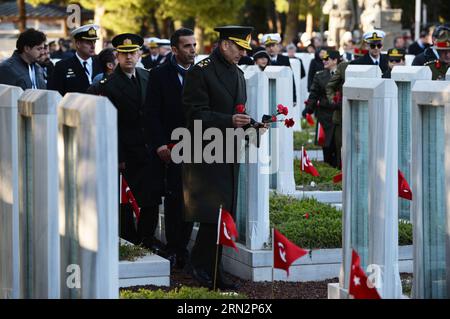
{"type": "Point", "coordinates": [202, 277]}
{"type": "Point", "coordinates": [155, 245]}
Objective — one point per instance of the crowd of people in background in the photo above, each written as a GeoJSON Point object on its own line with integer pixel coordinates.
{"type": "Point", "coordinates": [145, 80]}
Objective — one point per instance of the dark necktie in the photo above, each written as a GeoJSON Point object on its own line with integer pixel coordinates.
{"type": "Point", "coordinates": [86, 69]}
{"type": "Point", "coordinates": [376, 62]}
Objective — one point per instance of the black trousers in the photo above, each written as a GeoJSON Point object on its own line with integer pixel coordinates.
{"type": "Point", "coordinates": [203, 254]}
{"type": "Point", "coordinates": [147, 223]}
{"type": "Point", "coordinates": [178, 232]}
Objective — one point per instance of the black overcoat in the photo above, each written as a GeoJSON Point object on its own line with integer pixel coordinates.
{"type": "Point", "coordinates": [211, 92]}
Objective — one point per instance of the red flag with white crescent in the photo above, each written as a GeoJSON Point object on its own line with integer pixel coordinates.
{"type": "Point", "coordinates": [285, 252]}
{"type": "Point", "coordinates": [226, 230]}
{"type": "Point", "coordinates": [127, 197]}
{"type": "Point", "coordinates": [321, 138]}
{"type": "Point", "coordinates": [306, 165]}
{"type": "Point", "coordinates": [404, 191]}
{"type": "Point", "coordinates": [359, 288]}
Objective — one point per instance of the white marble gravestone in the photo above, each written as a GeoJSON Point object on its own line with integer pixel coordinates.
{"type": "Point", "coordinates": [298, 108]}
{"type": "Point", "coordinates": [370, 183]}
{"type": "Point", "coordinates": [447, 75]}
{"type": "Point", "coordinates": [38, 194]}
{"type": "Point", "coordinates": [281, 138]}
{"type": "Point", "coordinates": [253, 194]}
{"type": "Point", "coordinates": [405, 77]}
{"type": "Point", "coordinates": [430, 187]}
{"type": "Point", "coordinates": [88, 197]}
{"type": "Point", "coordinates": [9, 193]}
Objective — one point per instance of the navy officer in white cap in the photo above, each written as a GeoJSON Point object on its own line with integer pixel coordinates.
{"type": "Point", "coordinates": [374, 39]}
{"type": "Point", "coordinates": [75, 74]}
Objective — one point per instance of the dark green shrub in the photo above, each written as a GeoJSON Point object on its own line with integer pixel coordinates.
{"type": "Point", "coordinates": [324, 182]}
{"type": "Point", "coordinates": [179, 293]}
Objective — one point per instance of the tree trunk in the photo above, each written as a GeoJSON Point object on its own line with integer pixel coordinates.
{"type": "Point", "coordinates": [22, 15]}
{"type": "Point", "coordinates": [199, 33]}
{"type": "Point", "coordinates": [155, 24]}
{"type": "Point", "coordinates": [292, 22]}
{"type": "Point", "coordinates": [309, 24]}
{"type": "Point", "coordinates": [98, 15]}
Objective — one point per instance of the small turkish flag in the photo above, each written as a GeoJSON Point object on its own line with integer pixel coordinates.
{"type": "Point", "coordinates": [127, 197]}
{"type": "Point", "coordinates": [310, 119]}
{"type": "Point", "coordinates": [403, 187]}
{"type": "Point", "coordinates": [321, 138]}
{"type": "Point", "coordinates": [358, 281]}
{"type": "Point", "coordinates": [337, 178]}
{"type": "Point", "coordinates": [285, 252]}
{"type": "Point", "coordinates": [306, 165]}
{"type": "Point", "coordinates": [226, 229]}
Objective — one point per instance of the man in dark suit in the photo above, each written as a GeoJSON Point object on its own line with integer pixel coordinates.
{"type": "Point", "coordinates": [419, 45]}
{"type": "Point", "coordinates": [75, 74]}
{"type": "Point", "coordinates": [166, 114]}
{"type": "Point", "coordinates": [374, 57]}
{"type": "Point", "coordinates": [22, 69]}
{"type": "Point", "coordinates": [211, 92]}
{"type": "Point", "coordinates": [154, 58]}
{"type": "Point", "coordinates": [126, 88]}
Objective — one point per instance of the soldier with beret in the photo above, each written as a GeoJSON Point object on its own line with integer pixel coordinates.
{"type": "Point", "coordinates": [440, 66]}
{"type": "Point", "coordinates": [211, 92]}
{"type": "Point", "coordinates": [76, 73]}
{"type": "Point", "coordinates": [126, 88]}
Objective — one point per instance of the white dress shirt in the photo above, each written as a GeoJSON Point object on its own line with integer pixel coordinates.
{"type": "Point", "coordinates": [88, 66]}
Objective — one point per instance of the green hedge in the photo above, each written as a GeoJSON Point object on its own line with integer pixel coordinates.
{"type": "Point", "coordinates": [323, 228]}
{"type": "Point", "coordinates": [324, 182]}
{"type": "Point", "coordinates": [180, 293]}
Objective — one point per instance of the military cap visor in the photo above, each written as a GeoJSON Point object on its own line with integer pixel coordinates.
{"type": "Point", "coordinates": [239, 35]}
{"type": "Point", "coordinates": [127, 42]}
{"type": "Point", "coordinates": [87, 32]}
{"type": "Point", "coordinates": [374, 37]}
{"type": "Point", "coordinates": [395, 54]}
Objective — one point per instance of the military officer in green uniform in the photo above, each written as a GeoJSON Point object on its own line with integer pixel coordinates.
{"type": "Point", "coordinates": [334, 92]}
{"type": "Point", "coordinates": [213, 88]}
{"type": "Point", "coordinates": [126, 88]}
{"type": "Point", "coordinates": [440, 66]}
{"type": "Point", "coordinates": [318, 104]}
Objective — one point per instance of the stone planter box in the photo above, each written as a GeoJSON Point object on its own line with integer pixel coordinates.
{"type": "Point", "coordinates": [148, 270]}
{"type": "Point", "coordinates": [323, 264]}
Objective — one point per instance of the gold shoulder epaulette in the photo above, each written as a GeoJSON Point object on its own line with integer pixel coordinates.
{"type": "Point", "coordinates": [204, 62]}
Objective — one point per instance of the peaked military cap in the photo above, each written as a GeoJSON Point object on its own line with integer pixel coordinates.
{"type": "Point", "coordinates": [374, 36]}
{"type": "Point", "coordinates": [86, 32]}
{"type": "Point", "coordinates": [238, 34]}
{"type": "Point", "coordinates": [395, 54]}
{"type": "Point", "coordinates": [163, 42]}
{"type": "Point", "coordinates": [271, 38]}
{"type": "Point", "coordinates": [127, 42]}
{"type": "Point", "coordinates": [152, 42]}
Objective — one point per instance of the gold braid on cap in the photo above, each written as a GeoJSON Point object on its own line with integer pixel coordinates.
{"type": "Point", "coordinates": [245, 43]}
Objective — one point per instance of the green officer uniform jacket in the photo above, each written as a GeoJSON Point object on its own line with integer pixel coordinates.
{"type": "Point", "coordinates": [438, 69]}
{"type": "Point", "coordinates": [319, 104]}
{"type": "Point", "coordinates": [212, 89]}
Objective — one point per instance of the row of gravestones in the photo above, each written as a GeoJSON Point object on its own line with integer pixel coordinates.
{"type": "Point", "coordinates": [58, 195]}
{"type": "Point", "coordinates": [385, 122]}
{"type": "Point", "coordinates": [391, 124]}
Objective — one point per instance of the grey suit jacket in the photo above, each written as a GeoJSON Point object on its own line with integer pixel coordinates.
{"type": "Point", "coordinates": [14, 71]}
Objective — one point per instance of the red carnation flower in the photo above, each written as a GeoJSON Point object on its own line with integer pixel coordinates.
{"type": "Point", "coordinates": [438, 64]}
{"type": "Point", "coordinates": [274, 118]}
{"type": "Point", "coordinates": [337, 97]}
{"type": "Point", "coordinates": [170, 146]}
{"type": "Point", "coordinates": [289, 122]}
{"type": "Point", "coordinates": [306, 215]}
{"type": "Point", "coordinates": [282, 109]}
{"type": "Point", "coordinates": [240, 108]}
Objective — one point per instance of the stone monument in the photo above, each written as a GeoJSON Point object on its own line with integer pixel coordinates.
{"type": "Point", "coordinates": [342, 19]}
{"type": "Point", "coordinates": [378, 14]}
